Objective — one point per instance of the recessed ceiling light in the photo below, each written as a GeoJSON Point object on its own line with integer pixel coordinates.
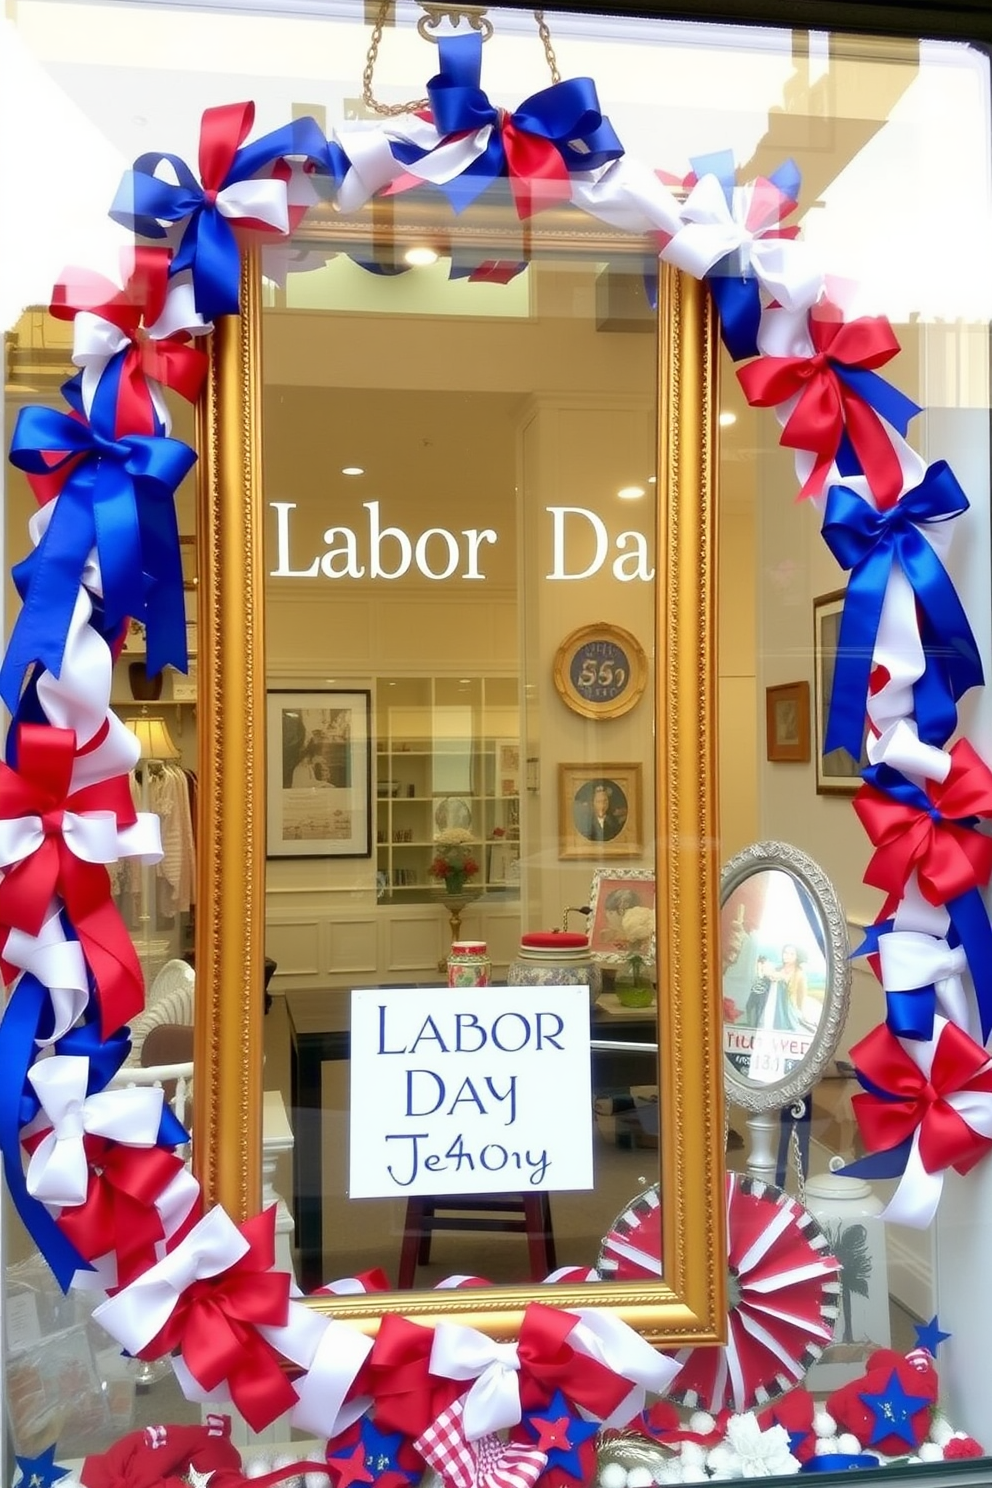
{"type": "Point", "coordinates": [352, 470]}
{"type": "Point", "coordinates": [727, 418]}
{"type": "Point", "coordinates": [419, 258]}
{"type": "Point", "coordinates": [630, 493]}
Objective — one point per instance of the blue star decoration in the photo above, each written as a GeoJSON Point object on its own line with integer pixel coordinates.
{"type": "Point", "coordinates": [378, 1452]}
{"type": "Point", "coordinates": [561, 1434]}
{"type": "Point", "coordinates": [41, 1471]}
{"type": "Point", "coordinates": [930, 1336]}
{"type": "Point", "coordinates": [894, 1410]}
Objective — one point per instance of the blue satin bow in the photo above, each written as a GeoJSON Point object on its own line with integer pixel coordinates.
{"type": "Point", "coordinates": [869, 543]}
{"type": "Point", "coordinates": [737, 295]}
{"type": "Point", "coordinates": [118, 497]}
{"type": "Point", "coordinates": [567, 115]}
{"type": "Point", "coordinates": [208, 246]}
{"type": "Point", "coordinates": [840, 1462]}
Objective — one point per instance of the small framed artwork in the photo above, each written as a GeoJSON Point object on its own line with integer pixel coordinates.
{"type": "Point", "coordinates": [318, 802]}
{"type": "Point", "coordinates": [600, 812]}
{"type": "Point", "coordinates": [837, 774]}
{"type": "Point", "coordinates": [507, 767]}
{"type": "Point", "coordinates": [787, 723]}
{"type": "Point", "coordinates": [187, 553]}
{"type": "Point", "coordinates": [614, 892]}
{"type": "Point", "coordinates": [600, 671]}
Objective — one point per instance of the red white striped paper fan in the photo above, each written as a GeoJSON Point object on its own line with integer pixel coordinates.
{"type": "Point", "coordinates": [784, 1298]}
{"type": "Point", "coordinates": [632, 1248]}
{"type": "Point", "coordinates": [784, 1294]}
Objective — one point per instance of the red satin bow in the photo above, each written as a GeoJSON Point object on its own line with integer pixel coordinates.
{"type": "Point", "coordinates": [119, 1211]}
{"type": "Point", "coordinates": [949, 858]}
{"type": "Point", "coordinates": [40, 786]}
{"type": "Point", "coordinates": [171, 361]}
{"type": "Point", "coordinates": [215, 1323]}
{"type": "Point", "coordinates": [548, 1362]}
{"type": "Point", "coordinates": [828, 407]}
{"type": "Point", "coordinates": [960, 1066]}
{"type": "Point", "coordinates": [397, 1376]}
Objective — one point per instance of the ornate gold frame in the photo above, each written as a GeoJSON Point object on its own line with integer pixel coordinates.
{"type": "Point", "coordinates": [584, 636]}
{"type": "Point", "coordinates": [689, 1306]}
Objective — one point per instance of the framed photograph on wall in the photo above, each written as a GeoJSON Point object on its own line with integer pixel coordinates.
{"type": "Point", "coordinates": [614, 892]}
{"type": "Point", "coordinates": [787, 723]}
{"type": "Point", "coordinates": [600, 812]}
{"type": "Point", "coordinates": [318, 801]}
{"type": "Point", "coordinates": [837, 774]}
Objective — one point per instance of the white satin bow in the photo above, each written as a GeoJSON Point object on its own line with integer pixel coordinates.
{"type": "Point", "coordinates": [58, 1172]}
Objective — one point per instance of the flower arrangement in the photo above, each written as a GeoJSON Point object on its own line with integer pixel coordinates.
{"type": "Point", "coordinates": [637, 932]}
{"type": "Point", "coordinates": [453, 863]}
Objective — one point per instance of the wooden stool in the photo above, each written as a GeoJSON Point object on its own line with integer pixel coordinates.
{"type": "Point", "coordinates": [518, 1213]}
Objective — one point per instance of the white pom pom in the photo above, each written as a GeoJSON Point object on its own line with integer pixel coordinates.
{"type": "Point", "coordinates": [826, 1446]}
{"type": "Point", "coordinates": [695, 1475]}
{"type": "Point", "coordinates": [941, 1430]}
{"type": "Point", "coordinates": [702, 1423]}
{"type": "Point", "coordinates": [693, 1455]}
{"type": "Point", "coordinates": [824, 1424]}
{"type": "Point", "coordinates": [255, 1467]}
{"type": "Point", "coordinates": [639, 1477]}
{"type": "Point", "coordinates": [613, 1475]}
{"type": "Point", "coordinates": [930, 1452]}
{"type": "Point", "coordinates": [317, 1480]}
{"type": "Point", "coordinates": [848, 1442]}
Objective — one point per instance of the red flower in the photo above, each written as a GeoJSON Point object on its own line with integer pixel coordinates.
{"type": "Point", "coordinates": [962, 1446]}
{"type": "Point", "coordinates": [470, 867]}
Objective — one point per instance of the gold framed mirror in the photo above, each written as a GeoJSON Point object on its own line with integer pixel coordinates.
{"type": "Point", "coordinates": [689, 1304]}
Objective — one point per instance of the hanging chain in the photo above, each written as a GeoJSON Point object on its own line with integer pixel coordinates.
{"type": "Point", "coordinates": [796, 1151]}
{"type": "Point", "coordinates": [549, 51]}
{"type": "Point", "coordinates": [425, 25]}
{"type": "Point", "coordinates": [384, 110]}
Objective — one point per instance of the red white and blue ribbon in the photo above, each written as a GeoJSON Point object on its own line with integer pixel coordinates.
{"type": "Point", "coordinates": [105, 474]}
{"type": "Point", "coordinates": [926, 1107]}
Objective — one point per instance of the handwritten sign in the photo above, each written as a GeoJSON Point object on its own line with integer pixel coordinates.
{"type": "Point", "coordinates": [465, 1092]}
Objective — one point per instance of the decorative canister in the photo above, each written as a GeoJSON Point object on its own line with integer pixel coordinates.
{"type": "Point", "coordinates": [848, 1212]}
{"type": "Point", "coordinates": [555, 958]}
{"type": "Point", "coordinates": [469, 964]}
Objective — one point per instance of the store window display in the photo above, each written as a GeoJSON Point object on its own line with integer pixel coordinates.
{"type": "Point", "coordinates": [921, 774]}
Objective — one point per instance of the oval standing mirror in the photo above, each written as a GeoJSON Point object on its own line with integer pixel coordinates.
{"type": "Point", "coordinates": [786, 974]}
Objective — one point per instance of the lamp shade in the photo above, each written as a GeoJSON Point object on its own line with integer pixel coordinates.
{"type": "Point", "coordinates": [154, 738]}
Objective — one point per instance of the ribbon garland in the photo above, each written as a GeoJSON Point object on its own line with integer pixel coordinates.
{"type": "Point", "coordinates": [839, 397]}
{"type": "Point", "coordinates": [112, 493]}
{"type": "Point", "coordinates": [121, 323]}
{"type": "Point", "coordinates": [229, 192]}
{"type": "Point", "coordinates": [921, 1112]}
{"type": "Point", "coordinates": [56, 840]}
{"type": "Point", "coordinates": [215, 1293]}
{"type": "Point", "coordinates": [552, 134]}
{"type": "Point", "coordinates": [869, 542]}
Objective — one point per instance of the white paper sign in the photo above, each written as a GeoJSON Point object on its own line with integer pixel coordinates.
{"type": "Point", "coordinates": [465, 1092]}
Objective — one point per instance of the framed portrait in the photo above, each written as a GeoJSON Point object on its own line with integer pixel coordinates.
{"type": "Point", "coordinates": [600, 812]}
{"type": "Point", "coordinates": [318, 801]}
{"type": "Point", "coordinates": [787, 723]}
{"type": "Point", "coordinates": [600, 671]}
{"type": "Point", "coordinates": [614, 892]}
{"type": "Point", "coordinates": [837, 774]}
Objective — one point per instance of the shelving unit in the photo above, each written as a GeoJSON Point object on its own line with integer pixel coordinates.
{"type": "Point", "coordinates": [447, 755]}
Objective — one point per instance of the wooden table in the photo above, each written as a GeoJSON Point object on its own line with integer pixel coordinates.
{"type": "Point", "coordinates": [319, 1031]}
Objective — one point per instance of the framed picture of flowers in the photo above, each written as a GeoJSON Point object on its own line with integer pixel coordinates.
{"type": "Point", "coordinates": [622, 916]}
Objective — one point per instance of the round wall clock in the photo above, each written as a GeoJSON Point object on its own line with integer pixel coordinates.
{"type": "Point", "coordinates": [600, 671]}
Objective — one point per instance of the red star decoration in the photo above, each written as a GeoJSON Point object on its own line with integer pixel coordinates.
{"type": "Point", "coordinates": [350, 1469]}
{"type": "Point", "coordinates": [551, 1433]}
